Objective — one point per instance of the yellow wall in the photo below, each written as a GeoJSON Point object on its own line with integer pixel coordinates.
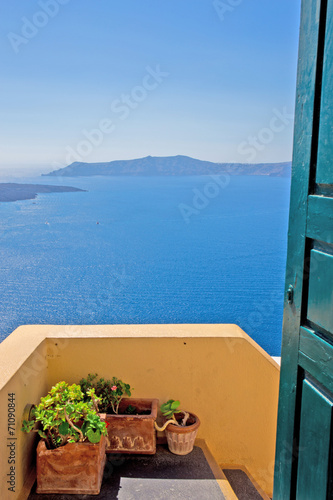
{"type": "Point", "coordinates": [28, 382]}
{"type": "Point", "coordinates": [216, 371]}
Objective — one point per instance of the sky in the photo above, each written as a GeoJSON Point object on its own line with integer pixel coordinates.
{"type": "Point", "coordinates": [104, 80]}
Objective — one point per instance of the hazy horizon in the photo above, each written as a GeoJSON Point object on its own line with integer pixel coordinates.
{"type": "Point", "coordinates": [20, 171]}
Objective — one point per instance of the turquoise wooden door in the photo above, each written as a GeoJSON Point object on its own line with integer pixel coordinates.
{"type": "Point", "coordinates": [304, 453]}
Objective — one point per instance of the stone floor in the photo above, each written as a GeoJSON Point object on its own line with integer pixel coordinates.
{"type": "Point", "coordinates": [163, 476]}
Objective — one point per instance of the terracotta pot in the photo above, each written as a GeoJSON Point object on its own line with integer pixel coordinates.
{"type": "Point", "coordinates": [73, 468]}
{"type": "Point", "coordinates": [181, 439]}
{"type": "Point", "coordinates": [133, 433]}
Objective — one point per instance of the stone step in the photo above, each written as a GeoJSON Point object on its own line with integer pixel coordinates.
{"type": "Point", "coordinates": [242, 484]}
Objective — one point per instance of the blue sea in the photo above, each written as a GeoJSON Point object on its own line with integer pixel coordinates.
{"type": "Point", "coordinates": [148, 250]}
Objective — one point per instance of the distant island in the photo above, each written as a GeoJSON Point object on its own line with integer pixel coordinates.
{"type": "Point", "coordinates": [170, 165]}
{"type": "Point", "coordinates": [15, 192]}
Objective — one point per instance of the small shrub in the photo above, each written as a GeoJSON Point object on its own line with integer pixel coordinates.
{"type": "Point", "coordinates": [110, 392]}
{"type": "Point", "coordinates": [65, 417]}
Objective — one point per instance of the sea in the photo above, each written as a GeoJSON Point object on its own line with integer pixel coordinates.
{"type": "Point", "coordinates": [194, 249]}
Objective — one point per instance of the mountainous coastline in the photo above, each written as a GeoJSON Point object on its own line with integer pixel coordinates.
{"type": "Point", "coordinates": [15, 192]}
{"type": "Point", "coordinates": [170, 165]}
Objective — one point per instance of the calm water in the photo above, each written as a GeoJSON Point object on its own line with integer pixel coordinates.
{"type": "Point", "coordinates": [142, 262]}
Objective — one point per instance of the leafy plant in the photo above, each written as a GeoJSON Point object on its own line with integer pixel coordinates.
{"type": "Point", "coordinates": [93, 428]}
{"type": "Point", "coordinates": [130, 410]}
{"type": "Point", "coordinates": [168, 410]}
{"type": "Point", "coordinates": [110, 392]}
{"type": "Point", "coordinates": [66, 418]}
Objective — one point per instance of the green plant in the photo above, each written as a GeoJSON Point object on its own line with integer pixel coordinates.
{"type": "Point", "coordinates": [168, 410]}
{"type": "Point", "coordinates": [93, 428]}
{"type": "Point", "coordinates": [66, 418]}
{"type": "Point", "coordinates": [130, 410]}
{"type": "Point", "coordinates": [110, 392]}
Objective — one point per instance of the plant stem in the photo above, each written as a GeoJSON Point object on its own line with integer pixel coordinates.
{"type": "Point", "coordinates": [95, 403]}
{"type": "Point", "coordinates": [49, 439]}
{"type": "Point", "coordinates": [171, 421]}
{"type": "Point", "coordinates": [117, 406]}
{"type": "Point", "coordinates": [73, 426]}
{"type": "Point", "coordinates": [185, 419]}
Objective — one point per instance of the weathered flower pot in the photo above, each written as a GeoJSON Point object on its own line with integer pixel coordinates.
{"type": "Point", "coordinates": [73, 468]}
{"type": "Point", "coordinates": [133, 433]}
{"type": "Point", "coordinates": [181, 439]}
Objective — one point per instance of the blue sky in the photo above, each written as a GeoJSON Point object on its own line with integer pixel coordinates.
{"type": "Point", "coordinates": [105, 80]}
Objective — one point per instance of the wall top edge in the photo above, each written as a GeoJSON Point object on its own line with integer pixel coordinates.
{"type": "Point", "coordinates": [24, 341]}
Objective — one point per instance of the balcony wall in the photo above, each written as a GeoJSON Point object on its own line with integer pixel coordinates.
{"type": "Point", "coordinates": [216, 371]}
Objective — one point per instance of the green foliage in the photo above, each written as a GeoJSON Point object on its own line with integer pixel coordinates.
{"type": "Point", "coordinates": [130, 410]}
{"type": "Point", "coordinates": [110, 392]}
{"type": "Point", "coordinates": [65, 417]}
{"type": "Point", "coordinates": [28, 425]}
{"type": "Point", "coordinates": [169, 408]}
{"type": "Point", "coordinates": [93, 428]}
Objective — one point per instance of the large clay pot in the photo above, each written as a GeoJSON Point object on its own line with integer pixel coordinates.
{"type": "Point", "coordinates": [181, 439]}
{"type": "Point", "coordinates": [73, 468]}
{"type": "Point", "coordinates": [133, 433]}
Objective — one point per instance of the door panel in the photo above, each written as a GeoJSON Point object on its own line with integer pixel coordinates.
{"type": "Point", "coordinates": [304, 437]}
{"type": "Point", "coordinates": [320, 219]}
{"type": "Point", "coordinates": [325, 143]}
{"type": "Point", "coordinates": [287, 442]}
{"type": "Point", "coordinates": [320, 301]}
{"type": "Point", "coordinates": [316, 357]}
{"type": "Point", "coordinates": [314, 444]}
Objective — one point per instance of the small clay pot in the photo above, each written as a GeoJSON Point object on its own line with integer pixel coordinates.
{"type": "Point", "coordinates": [181, 439]}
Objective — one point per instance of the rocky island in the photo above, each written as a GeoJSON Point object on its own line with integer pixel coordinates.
{"type": "Point", "coordinates": [15, 192]}
{"type": "Point", "coordinates": [170, 165]}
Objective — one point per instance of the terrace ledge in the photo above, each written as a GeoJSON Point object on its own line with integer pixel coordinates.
{"type": "Point", "coordinates": [215, 370]}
